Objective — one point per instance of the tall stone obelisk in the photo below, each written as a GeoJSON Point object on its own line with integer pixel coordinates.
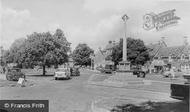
{"type": "Point", "coordinates": [124, 65]}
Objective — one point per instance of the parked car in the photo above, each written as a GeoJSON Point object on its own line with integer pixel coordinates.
{"type": "Point", "coordinates": [14, 74]}
{"type": "Point", "coordinates": [99, 68]}
{"type": "Point", "coordinates": [109, 68]}
{"type": "Point", "coordinates": [62, 73]}
{"type": "Point", "coordinates": [75, 71]}
{"type": "Point", "coordinates": [167, 73]}
{"type": "Point", "coordinates": [137, 70]}
{"type": "Point", "coordinates": [171, 73]}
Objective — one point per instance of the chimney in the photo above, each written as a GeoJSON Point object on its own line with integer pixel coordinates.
{"type": "Point", "coordinates": [114, 42]}
{"type": "Point", "coordinates": [185, 41]}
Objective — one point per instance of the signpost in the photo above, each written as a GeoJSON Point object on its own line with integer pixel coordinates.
{"type": "Point", "coordinates": [21, 82]}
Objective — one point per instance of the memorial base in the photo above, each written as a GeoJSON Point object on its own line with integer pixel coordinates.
{"type": "Point", "coordinates": [124, 66]}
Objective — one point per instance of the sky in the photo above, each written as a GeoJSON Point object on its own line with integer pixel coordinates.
{"type": "Point", "coordinates": [94, 22]}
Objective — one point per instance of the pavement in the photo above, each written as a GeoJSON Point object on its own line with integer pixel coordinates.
{"type": "Point", "coordinates": [80, 95]}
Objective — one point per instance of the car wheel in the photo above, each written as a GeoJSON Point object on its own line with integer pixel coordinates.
{"type": "Point", "coordinates": [55, 78]}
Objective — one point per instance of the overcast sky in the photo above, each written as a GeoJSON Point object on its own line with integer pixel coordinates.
{"type": "Point", "coordinates": [94, 22]}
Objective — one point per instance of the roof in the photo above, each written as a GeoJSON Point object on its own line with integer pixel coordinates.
{"type": "Point", "coordinates": [170, 51]}
{"type": "Point", "coordinates": [102, 54]}
{"type": "Point", "coordinates": [154, 48]}
{"type": "Point", "coordinates": [186, 50]}
{"type": "Point", "coordinates": [99, 57]}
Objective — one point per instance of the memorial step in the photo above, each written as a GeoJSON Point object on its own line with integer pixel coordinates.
{"type": "Point", "coordinates": [123, 77]}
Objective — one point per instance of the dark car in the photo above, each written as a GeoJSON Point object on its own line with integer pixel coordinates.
{"type": "Point", "coordinates": [75, 71]}
{"type": "Point", "coordinates": [137, 70]}
{"type": "Point", "coordinates": [107, 69]}
{"type": "Point", "coordinates": [14, 74]}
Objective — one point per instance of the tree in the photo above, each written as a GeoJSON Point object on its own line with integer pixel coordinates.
{"type": "Point", "coordinates": [137, 53]}
{"type": "Point", "coordinates": [116, 55]}
{"type": "Point", "coordinates": [2, 58]}
{"type": "Point", "coordinates": [81, 55]}
{"type": "Point", "coordinates": [12, 55]}
{"type": "Point", "coordinates": [43, 49]}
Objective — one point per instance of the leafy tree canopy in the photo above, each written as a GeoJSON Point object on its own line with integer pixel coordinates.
{"type": "Point", "coordinates": [137, 53]}
{"type": "Point", "coordinates": [42, 49]}
{"type": "Point", "coordinates": [81, 55]}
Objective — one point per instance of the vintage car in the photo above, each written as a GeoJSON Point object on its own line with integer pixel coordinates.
{"type": "Point", "coordinates": [14, 74]}
{"type": "Point", "coordinates": [139, 71]}
{"type": "Point", "coordinates": [167, 74]}
{"type": "Point", "coordinates": [109, 68]}
{"type": "Point", "coordinates": [75, 71]}
{"type": "Point", "coordinates": [62, 73]}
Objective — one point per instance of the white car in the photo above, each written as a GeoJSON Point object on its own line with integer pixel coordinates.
{"type": "Point", "coordinates": [63, 73]}
{"type": "Point", "coordinates": [167, 74]}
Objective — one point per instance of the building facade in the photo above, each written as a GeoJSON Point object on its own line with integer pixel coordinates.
{"type": "Point", "coordinates": [101, 55]}
{"type": "Point", "coordinates": [163, 57]}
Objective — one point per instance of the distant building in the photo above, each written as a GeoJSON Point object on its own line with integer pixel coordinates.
{"type": "Point", "coordinates": [70, 61]}
{"type": "Point", "coordinates": [162, 56]}
{"type": "Point", "coordinates": [100, 58]}
{"type": "Point", "coordinates": [155, 48]}
{"type": "Point", "coordinates": [173, 57]}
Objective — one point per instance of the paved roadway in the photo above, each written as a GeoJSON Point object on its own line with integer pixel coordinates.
{"type": "Point", "coordinates": [76, 95]}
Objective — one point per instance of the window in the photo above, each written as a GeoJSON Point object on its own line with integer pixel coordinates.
{"type": "Point", "coordinates": [182, 56]}
{"type": "Point", "coordinates": [165, 57]}
{"type": "Point", "coordinates": [187, 57]}
{"type": "Point", "coordinates": [173, 57]}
